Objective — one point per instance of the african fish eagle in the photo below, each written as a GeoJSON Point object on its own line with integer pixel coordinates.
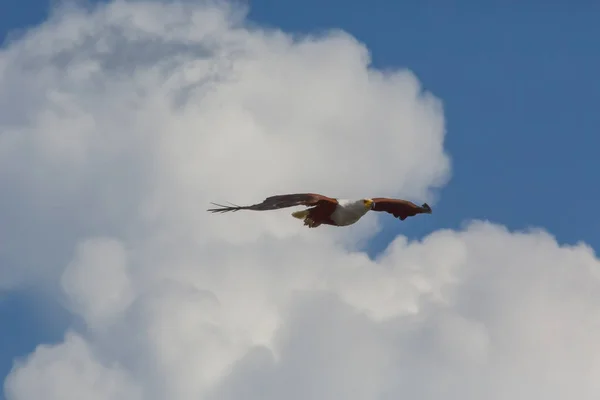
{"type": "Point", "coordinates": [331, 211]}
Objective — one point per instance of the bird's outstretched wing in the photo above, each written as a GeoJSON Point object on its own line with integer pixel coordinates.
{"type": "Point", "coordinates": [400, 208]}
{"type": "Point", "coordinates": [279, 201]}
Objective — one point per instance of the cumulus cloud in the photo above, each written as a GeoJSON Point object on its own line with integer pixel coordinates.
{"type": "Point", "coordinates": [120, 123]}
{"type": "Point", "coordinates": [68, 371]}
{"type": "Point", "coordinates": [96, 281]}
{"type": "Point", "coordinates": [127, 120]}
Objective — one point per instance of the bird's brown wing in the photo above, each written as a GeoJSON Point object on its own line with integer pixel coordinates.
{"type": "Point", "coordinates": [399, 208]}
{"type": "Point", "coordinates": [280, 201]}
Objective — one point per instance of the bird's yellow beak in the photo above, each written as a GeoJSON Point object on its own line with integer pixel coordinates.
{"type": "Point", "coordinates": [368, 204]}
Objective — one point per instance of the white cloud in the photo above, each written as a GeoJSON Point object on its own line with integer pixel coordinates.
{"type": "Point", "coordinates": [96, 282]}
{"type": "Point", "coordinates": [133, 117]}
{"type": "Point", "coordinates": [120, 124]}
{"type": "Point", "coordinates": [70, 371]}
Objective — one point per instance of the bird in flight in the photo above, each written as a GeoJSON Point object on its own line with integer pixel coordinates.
{"type": "Point", "coordinates": [330, 211]}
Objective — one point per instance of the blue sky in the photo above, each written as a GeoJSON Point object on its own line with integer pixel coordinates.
{"type": "Point", "coordinates": [520, 91]}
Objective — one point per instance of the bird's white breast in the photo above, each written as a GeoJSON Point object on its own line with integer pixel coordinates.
{"type": "Point", "coordinates": [348, 212]}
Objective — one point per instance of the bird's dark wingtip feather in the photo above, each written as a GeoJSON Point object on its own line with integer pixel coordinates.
{"type": "Point", "coordinates": [223, 209]}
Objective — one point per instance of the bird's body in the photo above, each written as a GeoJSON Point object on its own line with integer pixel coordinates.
{"type": "Point", "coordinates": [349, 211]}
{"type": "Point", "coordinates": [325, 210]}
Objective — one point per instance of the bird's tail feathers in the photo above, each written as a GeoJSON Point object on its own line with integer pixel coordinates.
{"type": "Point", "coordinates": [300, 214]}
